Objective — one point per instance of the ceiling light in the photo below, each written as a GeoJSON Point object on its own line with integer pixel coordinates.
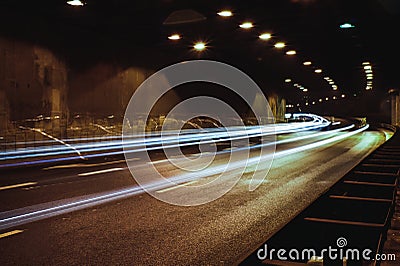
{"type": "Point", "coordinates": [225, 13]}
{"type": "Point", "coordinates": [318, 71]}
{"type": "Point", "coordinates": [75, 3]}
{"type": "Point", "coordinates": [346, 26]}
{"type": "Point", "coordinates": [174, 37]}
{"type": "Point", "coordinates": [199, 46]}
{"type": "Point", "coordinates": [246, 25]}
{"type": "Point", "coordinates": [320, 100]}
{"type": "Point", "coordinates": [365, 63]}
{"type": "Point", "coordinates": [331, 83]}
{"type": "Point", "coordinates": [327, 98]}
{"type": "Point", "coordinates": [288, 80]}
{"type": "Point", "coordinates": [307, 63]}
{"type": "Point", "coordinates": [291, 52]}
{"type": "Point", "coordinates": [280, 45]}
{"type": "Point", "coordinates": [343, 95]}
{"type": "Point", "coordinates": [305, 90]}
{"type": "Point", "coordinates": [367, 67]}
{"type": "Point", "coordinates": [265, 36]}
{"type": "Point", "coordinates": [334, 97]}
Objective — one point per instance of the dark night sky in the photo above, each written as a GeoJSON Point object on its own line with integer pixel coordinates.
{"type": "Point", "coordinates": [126, 32]}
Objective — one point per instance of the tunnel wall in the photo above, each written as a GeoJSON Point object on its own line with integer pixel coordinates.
{"type": "Point", "coordinates": [37, 84]}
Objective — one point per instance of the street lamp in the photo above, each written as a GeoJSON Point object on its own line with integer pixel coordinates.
{"type": "Point", "coordinates": [199, 46]}
{"type": "Point", "coordinates": [265, 36]}
{"type": "Point", "coordinates": [225, 13]}
{"type": "Point", "coordinates": [280, 45]}
{"type": "Point", "coordinates": [75, 3]}
{"type": "Point", "coordinates": [246, 25]}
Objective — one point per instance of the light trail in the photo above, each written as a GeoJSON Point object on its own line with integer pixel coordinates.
{"type": "Point", "coordinates": [159, 142]}
{"type": "Point", "coordinates": [33, 213]}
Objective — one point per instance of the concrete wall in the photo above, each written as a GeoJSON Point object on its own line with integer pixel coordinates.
{"type": "Point", "coordinates": [33, 82]}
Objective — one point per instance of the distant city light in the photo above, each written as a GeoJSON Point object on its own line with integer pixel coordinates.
{"type": "Point", "coordinates": [265, 36]}
{"type": "Point", "coordinates": [246, 25]}
{"type": "Point", "coordinates": [75, 3]}
{"type": "Point", "coordinates": [318, 71]}
{"type": "Point", "coordinates": [288, 80]}
{"type": "Point", "coordinates": [280, 45]}
{"type": "Point", "coordinates": [291, 52]}
{"type": "Point", "coordinates": [346, 26]}
{"type": "Point", "coordinates": [225, 13]}
{"type": "Point", "coordinates": [174, 37]}
{"type": "Point", "coordinates": [199, 46]}
{"type": "Point", "coordinates": [307, 63]}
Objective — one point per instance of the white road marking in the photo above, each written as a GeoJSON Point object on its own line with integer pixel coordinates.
{"type": "Point", "coordinates": [101, 171]}
{"type": "Point", "coordinates": [82, 165]}
{"type": "Point", "coordinates": [177, 186]}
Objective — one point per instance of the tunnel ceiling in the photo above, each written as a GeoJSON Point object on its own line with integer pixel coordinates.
{"type": "Point", "coordinates": [135, 32]}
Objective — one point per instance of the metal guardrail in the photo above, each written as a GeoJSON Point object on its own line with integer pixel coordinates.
{"type": "Point", "coordinates": [357, 210]}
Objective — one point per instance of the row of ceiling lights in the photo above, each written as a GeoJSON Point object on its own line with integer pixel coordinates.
{"type": "Point", "coordinates": [201, 46]}
{"type": "Point", "coordinates": [369, 75]}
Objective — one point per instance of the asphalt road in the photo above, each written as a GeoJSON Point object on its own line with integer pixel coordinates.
{"type": "Point", "coordinates": [141, 230]}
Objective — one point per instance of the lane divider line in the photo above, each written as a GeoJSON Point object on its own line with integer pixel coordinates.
{"type": "Point", "coordinates": [101, 171]}
{"type": "Point", "coordinates": [18, 185]}
{"type": "Point", "coordinates": [11, 233]}
{"type": "Point", "coordinates": [177, 186]}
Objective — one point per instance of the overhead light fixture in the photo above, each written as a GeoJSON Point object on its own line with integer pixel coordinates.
{"type": "Point", "coordinates": [305, 90]}
{"type": "Point", "coordinates": [291, 52]}
{"type": "Point", "coordinates": [327, 99]}
{"type": "Point", "coordinates": [174, 37]}
{"type": "Point", "coordinates": [346, 26]}
{"type": "Point", "coordinates": [320, 100]}
{"type": "Point", "coordinates": [199, 46]}
{"type": "Point", "coordinates": [280, 45]}
{"type": "Point", "coordinates": [343, 95]}
{"type": "Point", "coordinates": [365, 63]}
{"type": "Point", "coordinates": [313, 103]}
{"type": "Point", "coordinates": [265, 36]}
{"type": "Point", "coordinates": [334, 97]}
{"type": "Point", "coordinates": [370, 78]}
{"type": "Point", "coordinates": [331, 83]}
{"type": "Point", "coordinates": [318, 71]}
{"type": "Point", "coordinates": [225, 13]}
{"type": "Point", "coordinates": [367, 67]}
{"type": "Point", "coordinates": [246, 25]}
{"type": "Point", "coordinates": [307, 63]}
{"type": "Point", "coordinates": [288, 80]}
{"type": "Point", "coordinates": [75, 3]}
